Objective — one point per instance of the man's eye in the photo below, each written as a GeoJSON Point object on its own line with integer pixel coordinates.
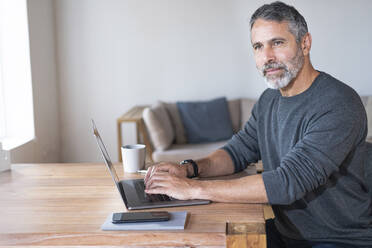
{"type": "Point", "coordinates": [277, 43]}
{"type": "Point", "coordinates": [256, 47]}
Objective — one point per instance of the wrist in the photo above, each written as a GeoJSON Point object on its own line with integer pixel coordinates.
{"type": "Point", "coordinates": [198, 190]}
{"type": "Point", "coordinates": [189, 170]}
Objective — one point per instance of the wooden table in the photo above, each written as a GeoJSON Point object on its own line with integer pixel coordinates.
{"type": "Point", "coordinates": [65, 205]}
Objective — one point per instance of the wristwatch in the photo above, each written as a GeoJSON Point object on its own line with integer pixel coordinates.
{"type": "Point", "coordinates": [194, 166]}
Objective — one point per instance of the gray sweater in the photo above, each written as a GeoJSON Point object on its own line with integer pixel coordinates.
{"type": "Point", "coordinates": [312, 147]}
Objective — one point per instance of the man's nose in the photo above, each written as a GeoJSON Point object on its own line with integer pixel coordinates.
{"type": "Point", "coordinates": [268, 55]}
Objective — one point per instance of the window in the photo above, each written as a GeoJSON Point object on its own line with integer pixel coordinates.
{"type": "Point", "coordinates": [16, 104]}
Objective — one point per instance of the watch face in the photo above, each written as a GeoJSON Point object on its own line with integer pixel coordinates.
{"type": "Point", "coordinates": [186, 161]}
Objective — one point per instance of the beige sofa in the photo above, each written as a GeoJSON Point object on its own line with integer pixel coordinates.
{"type": "Point", "coordinates": [167, 134]}
{"type": "Point", "coordinates": [168, 139]}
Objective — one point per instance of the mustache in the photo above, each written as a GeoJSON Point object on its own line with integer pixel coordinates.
{"type": "Point", "coordinates": [273, 65]}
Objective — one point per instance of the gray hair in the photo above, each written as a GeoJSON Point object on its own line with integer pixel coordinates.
{"type": "Point", "coordinates": [279, 12]}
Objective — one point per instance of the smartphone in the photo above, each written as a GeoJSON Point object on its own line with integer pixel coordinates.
{"type": "Point", "coordinates": [134, 217]}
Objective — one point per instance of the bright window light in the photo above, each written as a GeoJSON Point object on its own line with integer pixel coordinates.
{"type": "Point", "coordinates": [16, 103]}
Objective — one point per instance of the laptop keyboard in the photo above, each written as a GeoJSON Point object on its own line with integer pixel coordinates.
{"type": "Point", "coordinates": [140, 188]}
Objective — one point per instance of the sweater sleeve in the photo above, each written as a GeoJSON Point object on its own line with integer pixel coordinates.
{"type": "Point", "coordinates": [329, 138]}
{"type": "Point", "coordinates": [243, 146]}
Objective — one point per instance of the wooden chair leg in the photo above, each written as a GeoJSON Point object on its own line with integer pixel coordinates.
{"type": "Point", "coordinates": [245, 235]}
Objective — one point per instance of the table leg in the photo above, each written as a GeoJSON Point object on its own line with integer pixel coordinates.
{"type": "Point", "coordinates": [118, 126]}
{"type": "Point", "coordinates": [146, 140]}
{"type": "Point", "coordinates": [138, 132]}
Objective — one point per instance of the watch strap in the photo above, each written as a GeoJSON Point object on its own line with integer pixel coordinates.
{"type": "Point", "coordinates": [194, 166]}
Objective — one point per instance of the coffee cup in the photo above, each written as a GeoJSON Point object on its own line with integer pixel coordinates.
{"type": "Point", "coordinates": [133, 157]}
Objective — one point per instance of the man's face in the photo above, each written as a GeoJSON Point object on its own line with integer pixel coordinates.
{"type": "Point", "coordinates": [278, 56]}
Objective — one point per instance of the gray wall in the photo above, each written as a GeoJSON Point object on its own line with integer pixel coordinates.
{"type": "Point", "coordinates": [47, 145]}
{"type": "Point", "coordinates": [114, 54]}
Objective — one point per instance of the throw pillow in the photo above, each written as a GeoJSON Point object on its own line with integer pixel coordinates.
{"type": "Point", "coordinates": [176, 121]}
{"type": "Point", "coordinates": [159, 125]}
{"type": "Point", "coordinates": [206, 121]}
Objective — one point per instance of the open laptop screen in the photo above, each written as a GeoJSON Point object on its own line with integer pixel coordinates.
{"type": "Point", "coordinates": [105, 154]}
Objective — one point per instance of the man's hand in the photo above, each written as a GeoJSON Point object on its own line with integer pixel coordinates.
{"type": "Point", "coordinates": [179, 187]}
{"type": "Point", "coordinates": [171, 168]}
{"type": "Point", "coordinates": [171, 179]}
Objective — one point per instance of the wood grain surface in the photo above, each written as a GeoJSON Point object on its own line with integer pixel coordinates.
{"type": "Point", "coordinates": [66, 204]}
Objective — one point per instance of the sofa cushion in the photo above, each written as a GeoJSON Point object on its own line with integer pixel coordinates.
{"type": "Point", "coordinates": [178, 152]}
{"type": "Point", "coordinates": [368, 107]}
{"type": "Point", "coordinates": [159, 126]}
{"type": "Point", "coordinates": [234, 110]}
{"type": "Point", "coordinates": [246, 105]}
{"type": "Point", "coordinates": [176, 121]}
{"type": "Point", "coordinates": [206, 121]}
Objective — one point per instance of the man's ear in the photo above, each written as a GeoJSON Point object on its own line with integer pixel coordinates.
{"type": "Point", "coordinates": [306, 44]}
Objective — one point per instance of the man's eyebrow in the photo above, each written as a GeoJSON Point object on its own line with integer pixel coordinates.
{"type": "Point", "coordinates": [277, 38]}
{"type": "Point", "coordinates": [256, 43]}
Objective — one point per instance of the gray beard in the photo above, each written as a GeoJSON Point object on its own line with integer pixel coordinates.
{"type": "Point", "coordinates": [289, 73]}
{"type": "Point", "coordinates": [282, 82]}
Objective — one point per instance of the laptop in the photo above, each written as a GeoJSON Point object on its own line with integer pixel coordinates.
{"type": "Point", "coordinates": [132, 191]}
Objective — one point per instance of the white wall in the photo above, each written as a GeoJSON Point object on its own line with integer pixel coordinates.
{"type": "Point", "coordinates": [46, 147]}
{"type": "Point", "coordinates": [114, 54]}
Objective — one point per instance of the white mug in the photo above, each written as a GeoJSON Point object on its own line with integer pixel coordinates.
{"type": "Point", "coordinates": [133, 157]}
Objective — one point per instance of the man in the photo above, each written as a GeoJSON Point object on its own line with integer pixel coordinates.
{"type": "Point", "coordinates": [309, 131]}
